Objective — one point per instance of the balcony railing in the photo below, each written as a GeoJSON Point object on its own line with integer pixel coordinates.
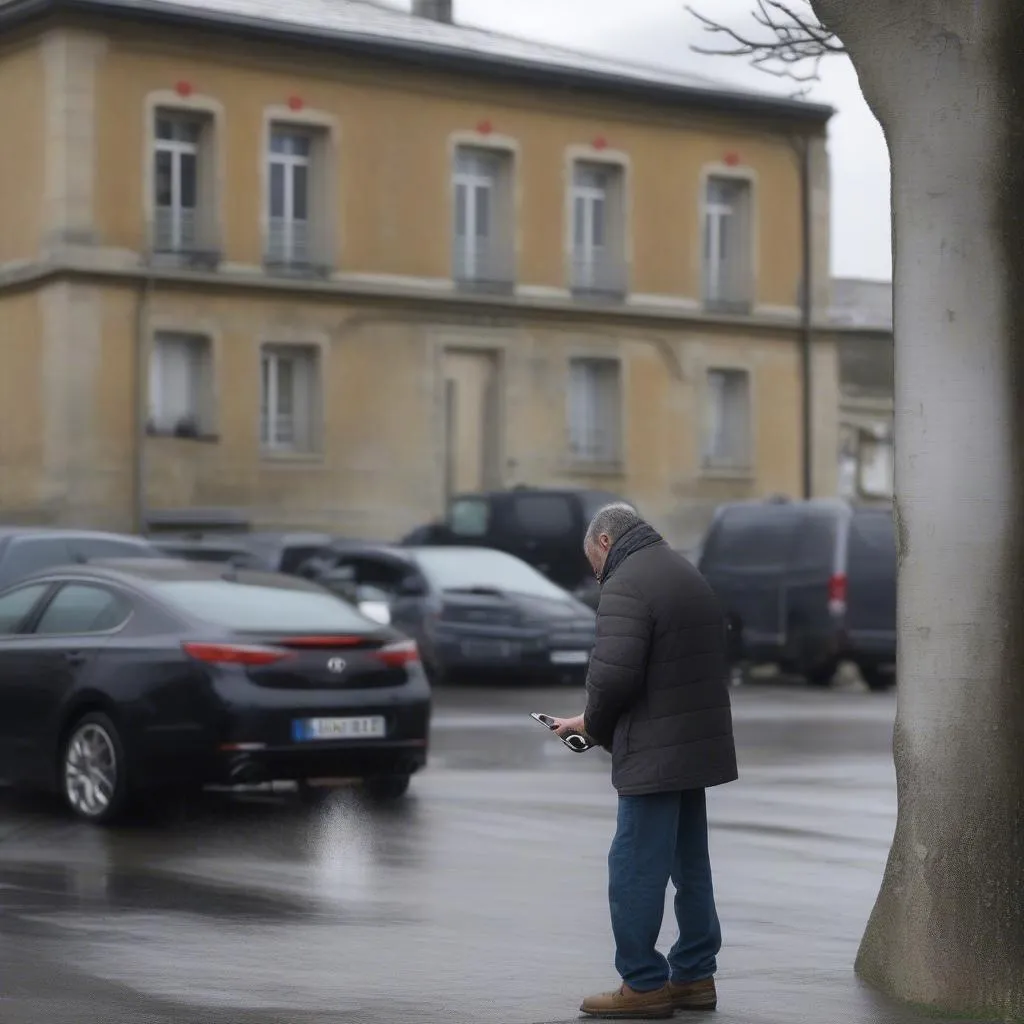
{"type": "Point", "coordinates": [600, 273]}
{"type": "Point", "coordinates": [288, 243]}
{"type": "Point", "coordinates": [483, 264]}
{"type": "Point", "coordinates": [176, 233]}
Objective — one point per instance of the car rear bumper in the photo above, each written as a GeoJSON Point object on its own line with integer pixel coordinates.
{"type": "Point", "coordinates": [256, 743]}
{"type": "Point", "coordinates": [870, 647]}
{"type": "Point", "coordinates": [321, 761]}
{"type": "Point", "coordinates": [496, 656]}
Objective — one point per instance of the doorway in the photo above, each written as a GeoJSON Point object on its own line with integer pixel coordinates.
{"type": "Point", "coordinates": [471, 421]}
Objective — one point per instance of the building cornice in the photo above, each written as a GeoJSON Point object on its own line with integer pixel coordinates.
{"type": "Point", "coordinates": [393, 291]}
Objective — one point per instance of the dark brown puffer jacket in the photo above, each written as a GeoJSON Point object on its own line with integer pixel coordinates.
{"type": "Point", "coordinates": [657, 687]}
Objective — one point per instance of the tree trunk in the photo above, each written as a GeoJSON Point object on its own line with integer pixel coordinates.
{"type": "Point", "coordinates": [946, 80]}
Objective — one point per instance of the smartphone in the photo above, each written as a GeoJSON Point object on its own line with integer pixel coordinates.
{"type": "Point", "coordinates": [574, 741]}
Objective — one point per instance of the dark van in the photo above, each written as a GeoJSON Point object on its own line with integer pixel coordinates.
{"type": "Point", "coordinates": [807, 585]}
{"type": "Point", "coordinates": [542, 526]}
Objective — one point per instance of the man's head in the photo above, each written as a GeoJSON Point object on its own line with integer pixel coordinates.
{"type": "Point", "coordinates": [610, 523]}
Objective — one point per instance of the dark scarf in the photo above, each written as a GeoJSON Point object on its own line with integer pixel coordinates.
{"type": "Point", "coordinates": [639, 537]}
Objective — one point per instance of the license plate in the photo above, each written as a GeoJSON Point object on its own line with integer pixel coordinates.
{"type": "Point", "coordinates": [490, 649]}
{"type": "Point", "coordinates": [569, 657]}
{"type": "Point", "coordinates": [306, 729]}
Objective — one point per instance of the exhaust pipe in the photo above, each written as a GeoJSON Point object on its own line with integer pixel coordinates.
{"type": "Point", "coordinates": [244, 772]}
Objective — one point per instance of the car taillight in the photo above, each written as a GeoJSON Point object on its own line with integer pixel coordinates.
{"type": "Point", "coordinates": [322, 641]}
{"type": "Point", "coordinates": [234, 654]}
{"type": "Point", "coordinates": [399, 655]}
{"type": "Point", "coordinates": [837, 593]}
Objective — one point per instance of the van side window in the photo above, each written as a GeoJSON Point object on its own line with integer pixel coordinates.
{"type": "Point", "coordinates": [544, 515]}
{"type": "Point", "coordinates": [469, 517]}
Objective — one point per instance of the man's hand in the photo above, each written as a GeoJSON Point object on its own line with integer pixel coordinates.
{"type": "Point", "coordinates": [567, 726]}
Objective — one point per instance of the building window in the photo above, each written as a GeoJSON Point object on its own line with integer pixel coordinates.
{"type": "Point", "coordinates": [180, 385]}
{"type": "Point", "coordinates": [727, 436]}
{"type": "Point", "coordinates": [482, 227]}
{"type": "Point", "coordinates": [728, 245]}
{"type": "Point", "coordinates": [288, 398]}
{"type": "Point", "coordinates": [290, 165]}
{"type": "Point", "coordinates": [595, 410]}
{"type": "Point", "coordinates": [181, 184]}
{"type": "Point", "coordinates": [598, 235]}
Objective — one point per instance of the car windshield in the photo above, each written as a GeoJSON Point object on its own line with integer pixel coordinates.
{"type": "Point", "coordinates": [482, 569]}
{"type": "Point", "coordinates": [260, 608]}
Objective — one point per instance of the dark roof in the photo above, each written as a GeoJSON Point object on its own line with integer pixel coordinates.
{"type": "Point", "coordinates": [363, 28]}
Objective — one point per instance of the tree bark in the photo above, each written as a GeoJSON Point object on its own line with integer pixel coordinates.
{"type": "Point", "coordinates": [946, 80]}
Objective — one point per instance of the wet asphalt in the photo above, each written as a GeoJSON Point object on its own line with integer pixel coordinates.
{"type": "Point", "coordinates": [479, 900]}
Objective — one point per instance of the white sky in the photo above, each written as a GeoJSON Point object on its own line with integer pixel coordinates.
{"type": "Point", "coordinates": [662, 32]}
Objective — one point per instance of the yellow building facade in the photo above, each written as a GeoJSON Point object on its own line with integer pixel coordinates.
{"type": "Point", "coordinates": [322, 274]}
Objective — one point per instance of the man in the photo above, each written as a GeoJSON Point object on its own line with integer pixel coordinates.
{"type": "Point", "coordinates": [658, 699]}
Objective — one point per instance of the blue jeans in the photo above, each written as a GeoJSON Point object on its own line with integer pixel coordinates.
{"type": "Point", "coordinates": [660, 837]}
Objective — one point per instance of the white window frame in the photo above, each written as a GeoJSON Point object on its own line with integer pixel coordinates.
{"type": "Point", "coordinates": [295, 248]}
{"type": "Point", "coordinates": [728, 280]}
{"type": "Point", "coordinates": [199, 386]}
{"type": "Point", "coordinates": [598, 269]}
{"type": "Point", "coordinates": [477, 170]}
{"type": "Point", "coordinates": [272, 438]}
{"type": "Point", "coordinates": [587, 255]}
{"type": "Point", "coordinates": [716, 428]}
{"type": "Point", "coordinates": [182, 239]}
{"type": "Point", "coordinates": [590, 439]}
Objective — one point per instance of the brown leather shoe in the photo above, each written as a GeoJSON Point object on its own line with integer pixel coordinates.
{"type": "Point", "coordinates": [693, 995]}
{"type": "Point", "coordinates": [625, 1003]}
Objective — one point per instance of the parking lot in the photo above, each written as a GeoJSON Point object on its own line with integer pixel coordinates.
{"type": "Point", "coordinates": [479, 899]}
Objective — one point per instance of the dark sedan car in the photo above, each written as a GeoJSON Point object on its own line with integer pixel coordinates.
{"type": "Point", "coordinates": [129, 678]}
{"type": "Point", "coordinates": [474, 612]}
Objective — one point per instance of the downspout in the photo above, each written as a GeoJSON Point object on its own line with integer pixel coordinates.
{"type": "Point", "coordinates": [141, 403]}
{"type": "Point", "coordinates": [806, 318]}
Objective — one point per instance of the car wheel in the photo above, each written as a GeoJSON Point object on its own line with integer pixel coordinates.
{"type": "Point", "coordinates": [94, 774]}
{"type": "Point", "coordinates": [876, 680]}
{"type": "Point", "coordinates": [387, 788]}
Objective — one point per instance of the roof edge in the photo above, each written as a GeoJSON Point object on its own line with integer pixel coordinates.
{"type": "Point", "coordinates": [16, 12]}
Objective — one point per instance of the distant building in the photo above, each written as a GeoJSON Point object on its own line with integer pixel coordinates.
{"type": "Point", "coordinates": [320, 263]}
{"type": "Point", "coordinates": [866, 387]}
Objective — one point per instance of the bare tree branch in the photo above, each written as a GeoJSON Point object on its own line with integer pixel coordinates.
{"type": "Point", "coordinates": [790, 41]}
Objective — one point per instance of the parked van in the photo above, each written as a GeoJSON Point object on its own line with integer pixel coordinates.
{"type": "Point", "coordinates": [807, 585]}
{"type": "Point", "coordinates": [542, 526]}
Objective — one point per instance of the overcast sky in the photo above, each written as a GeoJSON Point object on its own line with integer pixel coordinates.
{"type": "Point", "coordinates": [662, 32]}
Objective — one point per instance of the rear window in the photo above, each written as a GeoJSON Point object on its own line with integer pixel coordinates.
{"type": "Point", "coordinates": [469, 517]}
{"type": "Point", "coordinates": [255, 608]}
{"type": "Point", "coordinates": [543, 515]}
{"type": "Point", "coordinates": [753, 538]}
{"type": "Point", "coordinates": [872, 538]}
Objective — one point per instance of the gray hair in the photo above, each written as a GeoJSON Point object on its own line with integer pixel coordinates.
{"type": "Point", "coordinates": [615, 520]}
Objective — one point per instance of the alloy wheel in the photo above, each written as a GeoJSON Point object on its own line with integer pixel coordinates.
{"type": "Point", "coordinates": [90, 770]}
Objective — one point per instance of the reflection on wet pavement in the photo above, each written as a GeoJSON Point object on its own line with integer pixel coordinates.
{"type": "Point", "coordinates": [479, 899]}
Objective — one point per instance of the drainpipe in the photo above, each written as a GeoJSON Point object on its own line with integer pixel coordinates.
{"type": "Point", "coordinates": [806, 315]}
{"type": "Point", "coordinates": [140, 390]}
